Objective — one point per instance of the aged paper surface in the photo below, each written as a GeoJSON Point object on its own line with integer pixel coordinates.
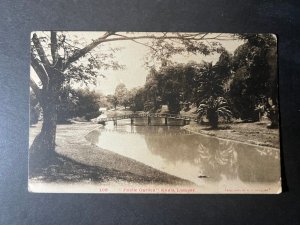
{"type": "Point", "coordinates": [170, 113]}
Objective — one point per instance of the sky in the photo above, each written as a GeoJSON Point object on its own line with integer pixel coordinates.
{"type": "Point", "coordinates": [132, 57]}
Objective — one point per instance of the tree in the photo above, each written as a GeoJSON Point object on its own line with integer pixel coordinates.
{"type": "Point", "coordinates": [152, 92]}
{"type": "Point", "coordinates": [213, 108]}
{"type": "Point", "coordinates": [88, 104]}
{"type": "Point", "coordinates": [122, 95]}
{"type": "Point", "coordinates": [112, 99]}
{"type": "Point", "coordinates": [57, 59]}
{"type": "Point", "coordinates": [138, 100]}
{"type": "Point", "coordinates": [171, 87]}
{"type": "Point", "coordinates": [172, 84]}
{"type": "Point", "coordinates": [53, 73]}
{"type": "Point", "coordinates": [243, 103]}
{"type": "Point", "coordinates": [79, 103]}
{"type": "Point", "coordinates": [189, 72]}
{"type": "Point", "coordinates": [223, 66]}
{"type": "Point", "coordinates": [255, 77]}
{"type": "Point", "coordinates": [131, 98]}
{"type": "Point", "coordinates": [210, 94]}
{"type": "Point", "coordinates": [67, 103]}
{"type": "Point", "coordinates": [209, 82]}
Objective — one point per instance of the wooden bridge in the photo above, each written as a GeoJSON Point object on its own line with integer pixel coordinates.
{"type": "Point", "coordinates": [149, 117]}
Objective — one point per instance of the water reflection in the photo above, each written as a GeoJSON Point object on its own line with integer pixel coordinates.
{"type": "Point", "coordinates": [191, 156]}
{"type": "Point", "coordinates": [217, 160]}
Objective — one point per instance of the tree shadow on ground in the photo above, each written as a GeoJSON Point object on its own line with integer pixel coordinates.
{"type": "Point", "coordinates": [227, 127]}
{"type": "Point", "coordinates": [64, 169]}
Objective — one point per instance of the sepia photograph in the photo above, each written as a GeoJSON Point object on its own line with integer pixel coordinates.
{"type": "Point", "coordinates": [153, 113]}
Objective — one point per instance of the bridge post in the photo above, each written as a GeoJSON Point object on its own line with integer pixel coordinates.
{"type": "Point", "coordinates": [149, 120]}
{"type": "Point", "coordinates": [166, 120]}
{"type": "Point", "coordinates": [131, 121]}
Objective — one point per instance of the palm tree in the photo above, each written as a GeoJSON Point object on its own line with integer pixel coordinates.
{"type": "Point", "coordinates": [210, 91]}
{"type": "Point", "coordinates": [213, 108]}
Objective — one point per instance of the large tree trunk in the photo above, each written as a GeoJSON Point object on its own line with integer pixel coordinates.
{"type": "Point", "coordinates": [213, 119]}
{"type": "Point", "coordinates": [42, 150]}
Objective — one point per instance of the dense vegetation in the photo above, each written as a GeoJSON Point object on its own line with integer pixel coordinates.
{"type": "Point", "coordinates": [242, 85]}
{"type": "Point", "coordinates": [81, 103]}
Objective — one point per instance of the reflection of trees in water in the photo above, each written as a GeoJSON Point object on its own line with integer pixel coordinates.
{"type": "Point", "coordinates": [215, 158]}
{"type": "Point", "coordinates": [170, 143]}
{"type": "Point", "coordinates": [257, 164]}
{"type": "Point", "coordinates": [212, 158]}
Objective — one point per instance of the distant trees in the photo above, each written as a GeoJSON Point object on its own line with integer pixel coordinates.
{"type": "Point", "coordinates": [177, 85]}
{"type": "Point", "coordinates": [120, 97]}
{"type": "Point", "coordinates": [132, 99]}
{"type": "Point", "coordinates": [138, 100]}
{"type": "Point", "coordinates": [152, 92]}
{"type": "Point", "coordinates": [88, 103]}
{"type": "Point", "coordinates": [79, 103]}
{"type": "Point", "coordinates": [113, 100]}
{"type": "Point", "coordinates": [171, 85]}
{"type": "Point", "coordinates": [72, 103]}
{"type": "Point", "coordinates": [68, 102]}
{"type": "Point", "coordinates": [239, 85]}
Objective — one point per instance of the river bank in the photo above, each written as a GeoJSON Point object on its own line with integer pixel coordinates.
{"type": "Point", "coordinates": [250, 133]}
{"type": "Point", "coordinates": [83, 161]}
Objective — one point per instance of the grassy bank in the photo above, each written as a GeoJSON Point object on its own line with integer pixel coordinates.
{"type": "Point", "coordinates": [80, 160]}
{"type": "Point", "coordinates": [251, 133]}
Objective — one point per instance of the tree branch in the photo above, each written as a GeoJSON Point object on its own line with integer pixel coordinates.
{"type": "Point", "coordinates": [40, 50]}
{"type": "Point", "coordinates": [138, 42]}
{"type": "Point", "coordinates": [171, 37]}
{"type": "Point", "coordinates": [37, 91]}
{"type": "Point", "coordinates": [40, 70]}
{"type": "Point", "coordinates": [189, 37]}
{"type": "Point", "coordinates": [80, 53]}
{"type": "Point", "coordinates": [53, 46]}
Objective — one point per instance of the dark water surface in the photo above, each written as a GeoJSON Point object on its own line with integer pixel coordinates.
{"type": "Point", "coordinates": [201, 159]}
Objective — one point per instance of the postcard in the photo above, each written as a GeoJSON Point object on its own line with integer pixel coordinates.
{"type": "Point", "coordinates": [153, 113]}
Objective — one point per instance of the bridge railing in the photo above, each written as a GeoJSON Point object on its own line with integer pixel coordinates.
{"type": "Point", "coordinates": [141, 115]}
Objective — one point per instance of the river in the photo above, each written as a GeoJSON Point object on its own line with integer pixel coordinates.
{"type": "Point", "coordinates": [208, 162]}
